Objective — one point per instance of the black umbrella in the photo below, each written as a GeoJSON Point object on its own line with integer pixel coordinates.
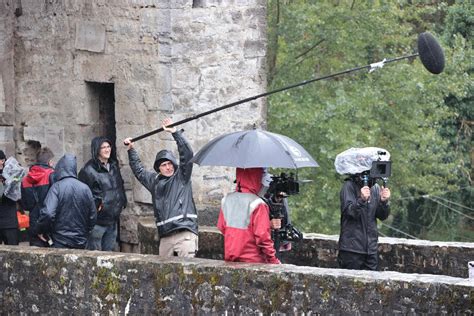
{"type": "Point", "coordinates": [252, 149]}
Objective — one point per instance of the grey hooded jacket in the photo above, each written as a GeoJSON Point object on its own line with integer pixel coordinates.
{"type": "Point", "coordinates": [172, 197]}
{"type": "Point", "coordinates": [69, 213]}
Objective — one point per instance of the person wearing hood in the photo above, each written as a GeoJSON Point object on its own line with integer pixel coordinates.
{"type": "Point", "coordinates": [69, 213]}
{"type": "Point", "coordinates": [102, 174]}
{"type": "Point", "coordinates": [244, 220]}
{"type": "Point", "coordinates": [172, 195]}
{"type": "Point", "coordinates": [34, 187]}
{"type": "Point", "coordinates": [8, 218]}
{"type": "Point", "coordinates": [361, 205]}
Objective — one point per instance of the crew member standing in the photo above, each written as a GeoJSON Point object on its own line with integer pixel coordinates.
{"type": "Point", "coordinates": [172, 195]}
{"type": "Point", "coordinates": [244, 220]}
{"type": "Point", "coordinates": [361, 205]}
{"type": "Point", "coordinates": [102, 175]}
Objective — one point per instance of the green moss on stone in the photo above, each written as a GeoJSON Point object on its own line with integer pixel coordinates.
{"type": "Point", "coordinates": [280, 290]}
{"type": "Point", "coordinates": [107, 283]}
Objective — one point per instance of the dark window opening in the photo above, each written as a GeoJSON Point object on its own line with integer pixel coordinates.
{"type": "Point", "coordinates": [102, 95]}
{"type": "Point", "coordinates": [199, 3]}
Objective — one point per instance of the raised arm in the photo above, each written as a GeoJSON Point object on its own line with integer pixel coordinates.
{"type": "Point", "coordinates": [383, 207]}
{"type": "Point", "coordinates": [145, 177]}
{"type": "Point", "coordinates": [185, 155]}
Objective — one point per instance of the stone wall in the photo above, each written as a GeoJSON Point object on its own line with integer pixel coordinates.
{"type": "Point", "coordinates": [47, 281]}
{"type": "Point", "coordinates": [315, 250]}
{"type": "Point", "coordinates": [7, 78]}
{"type": "Point", "coordinates": [162, 58]}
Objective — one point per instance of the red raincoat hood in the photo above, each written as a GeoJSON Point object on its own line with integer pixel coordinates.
{"type": "Point", "coordinates": [249, 180]}
{"type": "Point", "coordinates": [38, 173]}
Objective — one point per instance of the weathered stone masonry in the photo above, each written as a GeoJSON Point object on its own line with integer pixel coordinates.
{"type": "Point", "coordinates": [64, 61]}
{"type": "Point", "coordinates": [68, 282]}
{"type": "Point", "coordinates": [317, 250]}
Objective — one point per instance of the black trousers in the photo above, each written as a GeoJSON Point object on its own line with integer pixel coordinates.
{"type": "Point", "coordinates": [35, 241]}
{"type": "Point", "coordinates": [9, 236]}
{"type": "Point", "coordinates": [357, 261]}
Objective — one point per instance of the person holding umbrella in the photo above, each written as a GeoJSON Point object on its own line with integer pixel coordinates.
{"type": "Point", "coordinates": [172, 195]}
{"type": "Point", "coordinates": [244, 220]}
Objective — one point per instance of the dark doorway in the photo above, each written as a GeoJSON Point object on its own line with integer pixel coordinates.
{"type": "Point", "coordinates": [102, 97]}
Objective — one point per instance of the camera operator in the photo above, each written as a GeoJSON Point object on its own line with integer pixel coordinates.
{"type": "Point", "coordinates": [244, 220]}
{"type": "Point", "coordinates": [362, 202]}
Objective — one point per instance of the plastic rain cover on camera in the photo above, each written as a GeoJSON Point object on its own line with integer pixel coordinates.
{"type": "Point", "coordinates": [13, 174]}
{"type": "Point", "coordinates": [358, 160]}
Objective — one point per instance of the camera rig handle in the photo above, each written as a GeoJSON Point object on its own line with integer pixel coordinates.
{"type": "Point", "coordinates": [365, 179]}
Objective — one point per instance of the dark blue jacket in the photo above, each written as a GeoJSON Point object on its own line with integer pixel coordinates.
{"type": "Point", "coordinates": [69, 213]}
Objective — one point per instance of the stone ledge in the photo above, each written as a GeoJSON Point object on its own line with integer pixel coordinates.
{"type": "Point", "coordinates": [316, 250]}
{"type": "Point", "coordinates": [51, 281]}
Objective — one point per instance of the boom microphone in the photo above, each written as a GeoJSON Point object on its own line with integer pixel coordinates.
{"type": "Point", "coordinates": [431, 53]}
{"type": "Point", "coordinates": [429, 50]}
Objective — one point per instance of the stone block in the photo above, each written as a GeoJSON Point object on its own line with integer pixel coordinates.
{"type": "Point", "coordinates": [90, 36]}
{"type": "Point", "coordinates": [254, 48]}
{"type": "Point", "coordinates": [53, 137]}
{"type": "Point", "coordinates": [95, 68]}
{"type": "Point", "coordinates": [140, 193]}
{"type": "Point", "coordinates": [128, 228]}
{"type": "Point", "coordinates": [154, 21]}
{"type": "Point", "coordinates": [8, 148]}
{"type": "Point", "coordinates": [6, 134]}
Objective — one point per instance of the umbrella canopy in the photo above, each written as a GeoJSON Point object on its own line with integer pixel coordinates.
{"type": "Point", "coordinates": [254, 149]}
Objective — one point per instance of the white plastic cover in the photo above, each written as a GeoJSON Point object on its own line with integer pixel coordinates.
{"type": "Point", "coordinates": [357, 160]}
{"type": "Point", "coordinates": [13, 174]}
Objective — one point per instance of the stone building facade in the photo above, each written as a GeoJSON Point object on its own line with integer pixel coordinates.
{"type": "Point", "coordinates": [74, 69]}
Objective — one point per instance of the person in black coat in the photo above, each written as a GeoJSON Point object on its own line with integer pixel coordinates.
{"type": "Point", "coordinates": [69, 213]}
{"type": "Point", "coordinates": [361, 205]}
{"type": "Point", "coordinates": [171, 190]}
{"type": "Point", "coordinates": [8, 208]}
{"type": "Point", "coordinates": [102, 174]}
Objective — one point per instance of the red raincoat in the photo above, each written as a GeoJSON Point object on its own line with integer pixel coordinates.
{"type": "Point", "coordinates": [245, 222]}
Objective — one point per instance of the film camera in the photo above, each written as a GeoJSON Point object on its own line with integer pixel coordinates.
{"type": "Point", "coordinates": [379, 170]}
{"type": "Point", "coordinates": [279, 189]}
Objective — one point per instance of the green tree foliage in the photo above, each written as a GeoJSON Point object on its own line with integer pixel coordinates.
{"type": "Point", "coordinates": [423, 120]}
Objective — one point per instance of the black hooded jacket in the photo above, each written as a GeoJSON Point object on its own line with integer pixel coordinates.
{"type": "Point", "coordinates": [172, 197]}
{"type": "Point", "coordinates": [69, 213]}
{"type": "Point", "coordinates": [106, 186]}
{"type": "Point", "coordinates": [359, 218]}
